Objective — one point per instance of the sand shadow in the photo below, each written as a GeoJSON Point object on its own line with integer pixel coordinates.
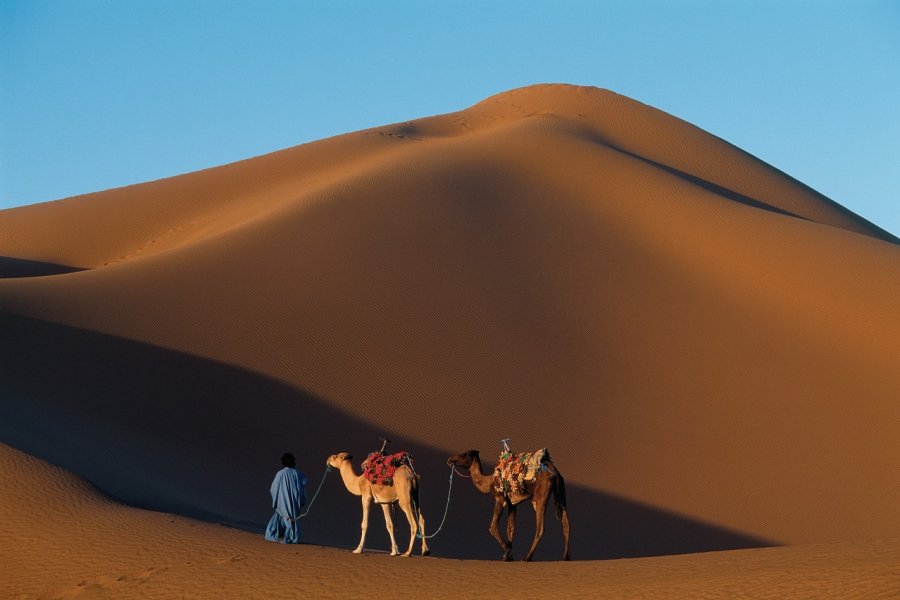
{"type": "Point", "coordinates": [873, 230]}
{"type": "Point", "coordinates": [11, 268]}
{"type": "Point", "coordinates": [172, 432]}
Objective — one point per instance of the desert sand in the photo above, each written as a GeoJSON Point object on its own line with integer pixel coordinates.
{"type": "Point", "coordinates": [82, 544]}
{"type": "Point", "coordinates": [706, 345]}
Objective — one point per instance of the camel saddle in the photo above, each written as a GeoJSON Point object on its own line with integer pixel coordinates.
{"type": "Point", "coordinates": [514, 469]}
{"type": "Point", "coordinates": [379, 467]}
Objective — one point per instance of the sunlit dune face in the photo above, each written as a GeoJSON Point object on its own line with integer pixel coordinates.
{"type": "Point", "coordinates": [705, 343]}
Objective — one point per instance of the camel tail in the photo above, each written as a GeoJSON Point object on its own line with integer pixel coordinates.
{"type": "Point", "coordinates": [559, 495]}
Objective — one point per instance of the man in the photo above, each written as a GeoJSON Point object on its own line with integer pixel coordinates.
{"type": "Point", "coordinates": [288, 496]}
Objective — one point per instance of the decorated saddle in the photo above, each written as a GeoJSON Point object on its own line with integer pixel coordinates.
{"type": "Point", "coordinates": [515, 468]}
{"type": "Point", "coordinates": [379, 467]}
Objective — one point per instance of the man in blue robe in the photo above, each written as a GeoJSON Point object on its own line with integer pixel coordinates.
{"type": "Point", "coordinates": [288, 496]}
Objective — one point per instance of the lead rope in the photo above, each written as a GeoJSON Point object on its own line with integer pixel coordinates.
{"type": "Point", "coordinates": [446, 508]}
{"type": "Point", "coordinates": [309, 506]}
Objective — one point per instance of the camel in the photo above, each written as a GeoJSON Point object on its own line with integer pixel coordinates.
{"type": "Point", "coordinates": [404, 491]}
{"type": "Point", "coordinates": [547, 481]}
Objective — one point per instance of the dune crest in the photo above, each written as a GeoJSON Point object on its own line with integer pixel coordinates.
{"type": "Point", "coordinates": [703, 342]}
{"type": "Point", "coordinates": [160, 215]}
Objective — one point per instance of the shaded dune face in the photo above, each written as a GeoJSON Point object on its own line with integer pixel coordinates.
{"type": "Point", "coordinates": [706, 345]}
{"type": "Point", "coordinates": [113, 431]}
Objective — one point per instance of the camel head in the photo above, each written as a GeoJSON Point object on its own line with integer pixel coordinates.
{"type": "Point", "coordinates": [335, 460]}
{"type": "Point", "coordinates": [463, 459]}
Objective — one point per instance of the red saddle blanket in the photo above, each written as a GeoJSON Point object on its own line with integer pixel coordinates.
{"type": "Point", "coordinates": [379, 468]}
{"type": "Point", "coordinates": [514, 469]}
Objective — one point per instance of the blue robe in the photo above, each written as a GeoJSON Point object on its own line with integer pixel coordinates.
{"type": "Point", "coordinates": [288, 496]}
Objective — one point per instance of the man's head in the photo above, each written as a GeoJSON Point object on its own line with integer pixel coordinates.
{"type": "Point", "coordinates": [287, 460]}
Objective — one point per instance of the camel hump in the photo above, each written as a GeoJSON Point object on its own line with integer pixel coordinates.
{"type": "Point", "coordinates": [379, 468]}
{"type": "Point", "coordinates": [514, 469]}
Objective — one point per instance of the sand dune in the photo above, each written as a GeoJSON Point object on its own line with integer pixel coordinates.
{"type": "Point", "coordinates": [707, 346]}
{"type": "Point", "coordinates": [138, 554]}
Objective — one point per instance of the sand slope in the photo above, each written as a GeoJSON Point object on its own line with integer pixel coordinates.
{"type": "Point", "coordinates": [707, 346]}
{"type": "Point", "coordinates": [137, 554]}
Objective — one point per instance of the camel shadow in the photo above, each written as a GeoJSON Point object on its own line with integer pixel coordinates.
{"type": "Point", "coordinates": [172, 432]}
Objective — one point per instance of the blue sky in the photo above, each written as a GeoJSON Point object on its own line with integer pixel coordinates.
{"type": "Point", "coordinates": [98, 94]}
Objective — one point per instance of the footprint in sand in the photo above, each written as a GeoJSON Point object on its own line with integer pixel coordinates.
{"type": "Point", "coordinates": [233, 559]}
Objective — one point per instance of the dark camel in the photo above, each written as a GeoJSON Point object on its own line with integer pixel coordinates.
{"type": "Point", "coordinates": [547, 481]}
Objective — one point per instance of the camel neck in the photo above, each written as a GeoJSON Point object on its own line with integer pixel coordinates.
{"type": "Point", "coordinates": [481, 481]}
{"type": "Point", "coordinates": [351, 479]}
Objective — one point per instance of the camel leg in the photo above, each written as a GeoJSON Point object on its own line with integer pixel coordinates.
{"type": "Point", "coordinates": [511, 524]}
{"type": "Point", "coordinates": [406, 507]}
{"type": "Point", "coordinates": [366, 499]}
{"type": "Point", "coordinates": [417, 513]}
{"type": "Point", "coordinates": [495, 530]}
{"type": "Point", "coordinates": [540, 506]}
{"type": "Point", "coordinates": [389, 524]}
{"type": "Point", "coordinates": [559, 495]}
{"type": "Point", "coordinates": [425, 549]}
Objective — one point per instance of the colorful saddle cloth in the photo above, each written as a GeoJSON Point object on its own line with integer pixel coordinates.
{"type": "Point", "coordinates": [379, 468]}
{"type": "Point", "coordinates": [514, 469]}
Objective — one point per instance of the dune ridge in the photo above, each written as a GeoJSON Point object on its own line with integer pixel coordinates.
{"type": "Point", "coordinates": [703, 342]}
{"type": "Point", "coordinates": [222, 197]}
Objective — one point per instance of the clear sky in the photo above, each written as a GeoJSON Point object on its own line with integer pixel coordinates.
{"type": "Point", "coordinates": [98, 94]}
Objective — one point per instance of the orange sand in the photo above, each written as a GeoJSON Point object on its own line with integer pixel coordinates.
{"type": "Point", "coordinates": [82, 545]}
{"type": "Point", "coordinates": [707, 346]}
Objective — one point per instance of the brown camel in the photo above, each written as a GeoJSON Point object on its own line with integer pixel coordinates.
{"type": "Point", "coordinates": [404, 491]}
{"type": "Point", "coordinates": [546, 481]}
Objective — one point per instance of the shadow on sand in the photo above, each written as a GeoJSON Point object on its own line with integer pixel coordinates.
{"type": "Point", "coordinates": [870, 228]}
{"type": "Point", "coordinates": [172, 432]}
{"type": "Point", "coordinates": [20, 267]}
